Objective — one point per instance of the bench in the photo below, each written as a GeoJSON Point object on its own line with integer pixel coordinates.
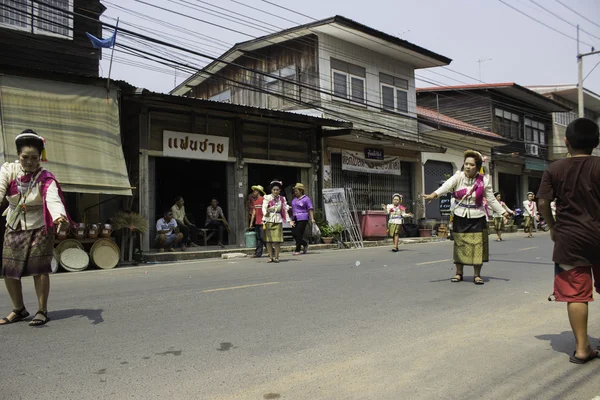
{"type": "Point", "coordinates": [207, 234]}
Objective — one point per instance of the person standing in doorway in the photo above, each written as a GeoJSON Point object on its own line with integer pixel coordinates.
{"type": "Point", "coordinates": [189, 230]}
{"type": "Point", "coordinates": [530, 213]}
{"type": "Point", "coordinates": [499, 219]}
{"type": "Point", "coordinates": [36, 207]}
{"type": "Point", "coordinates": [256, 220]}
{"type": "Point", "coordinates": [215, 219]}
{"type": "Point", "coordinates": [396, 212]}
{"type": "Point", "coordinates": [469, 187]}
{"type": "Point", "coordinates": [575, 184]}
{"type": "Point", "coordinates": [250, 202]}
{"type": "Point", "coordinates": [302, 212]}
{"type": "Point", "coordinates": [275, 212]}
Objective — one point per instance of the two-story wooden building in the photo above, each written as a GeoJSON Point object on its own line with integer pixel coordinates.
{"type": "Point", "coordinates": [338, 69]}
{"type": "Point", "coordinates": [49, 83]}
{"type": "Point", "coordinates": [520, 115]}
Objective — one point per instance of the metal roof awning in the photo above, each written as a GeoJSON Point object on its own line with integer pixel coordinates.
{"type": "Point", "coordinates": [80, 124]}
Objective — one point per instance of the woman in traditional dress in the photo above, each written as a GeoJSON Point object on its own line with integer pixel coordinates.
{"type": "Point", "coordinates": [275, 212]}
{"type": "Point", "coordinates": [469, 188]}
{"type": "Point", "coordinates": [499, 219]}
{"type": "Point", "coordinates": [396, 212]}
{"type": "Point", "coordinates": [530, 214]}
{"type": "Point", "coordinates": [36, 206]}
{"type": "Point", "coordinates": [302, 212]}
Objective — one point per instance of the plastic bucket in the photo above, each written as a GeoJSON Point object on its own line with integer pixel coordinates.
{"type": "Point", "coordinates": [250, 239]}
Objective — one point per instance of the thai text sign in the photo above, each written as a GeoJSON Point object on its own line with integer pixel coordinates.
{"type": "Point", "coordinates": [355, 161]}
{"type": "Point", "coordinates": [374, 154]}
{"type": "Point", "coordinates": [190, 145]}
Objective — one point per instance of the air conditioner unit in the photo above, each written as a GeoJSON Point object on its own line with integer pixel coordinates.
{"type": "Point", "coordinates": [532, 149]}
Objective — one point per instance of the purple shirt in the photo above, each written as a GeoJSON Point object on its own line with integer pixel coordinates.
{"type": "Point", "coordinates": [300, 207]}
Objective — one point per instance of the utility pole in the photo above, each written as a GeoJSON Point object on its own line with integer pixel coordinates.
{"type": "Point", "coordinates": [580, 76]}
{"type": "Point", "coordinates": [482, 61]}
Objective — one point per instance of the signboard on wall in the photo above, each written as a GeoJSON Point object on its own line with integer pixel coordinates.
{"type": "Point", "coordinates": [374, 154]}
{"type": "Point", "coordinates": [199, 147]}
{"type": "Point", "coordinates": [355, 161]}
{"type": "Point", "coordinates": [332, 199]}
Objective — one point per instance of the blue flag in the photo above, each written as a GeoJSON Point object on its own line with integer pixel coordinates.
{"type": "Point", "coordinates": [103, 43]}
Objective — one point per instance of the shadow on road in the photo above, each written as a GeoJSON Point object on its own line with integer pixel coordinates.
{"type": "Point", "coordinates": [469, 279]}
{"type": "Point", "coordinates": [523, 262]}
{"type": "Point", "coordinates": [93, 315]}
{"type": "Point", "coordinates": [564, 342]}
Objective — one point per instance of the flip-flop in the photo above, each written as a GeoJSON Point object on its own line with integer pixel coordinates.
{"type": "Point", "coordinates": [478, 282]}
{"type": "Point", "coordinates": [455, 279]}
{"type": "Point", "coordinates": [395, 250]}
{"type": "Point", "coordinates": [576, 360]}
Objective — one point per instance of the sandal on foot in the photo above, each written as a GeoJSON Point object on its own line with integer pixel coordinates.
{"type": "Point", "coordinates": [20, 316]}
{"type": "Point", "coordinates": [38, 321]}
{"type": "Point", "coordinates": [276, 260]}
{"type": "Point", "coordinates": [478, 280]}
{"type": "Point", "coordinates": [457, 278]}
{"type": "Point", "coordinates": [395, 249]}
{"type": "Point", "coordinates": [270, 260]}
{"type": "Point", "coordinates": [576, 360]}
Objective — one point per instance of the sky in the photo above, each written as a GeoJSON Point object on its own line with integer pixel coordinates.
{"type": "Point", "coordinates": [513, 47]}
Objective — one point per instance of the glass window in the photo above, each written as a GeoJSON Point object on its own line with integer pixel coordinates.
{"type": "Point", "coordinates": [358, 89]}
{"type": "Point", "coordinates": [340, 84]}
{"type": "Point", "coordinates": [387, 97]}
{"type": "Point", "coordinates": [402, 100]}
{"type": "Point", "coordinates": [14, 14]}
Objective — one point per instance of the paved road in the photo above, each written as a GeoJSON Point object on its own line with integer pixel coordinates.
{"type": "Point", "coordinates": [356, 324]}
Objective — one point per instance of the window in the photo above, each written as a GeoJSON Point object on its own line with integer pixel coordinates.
{"type": "Point", "coordinates": [287, 89]}
{"type": "Point", "coordinates": [535, 132]}
{"type": "Point", "coordinates": [394, 93]}
{"type": "Point", "coordinates": [507, 124]}
{"type": "Point", "coordinates": [564, 118]}
{"type": "Point", "coordinates": [348, 81]}
{"type": "Point", "coordinates": [40, 19]}
{"type": "Point", "coordinates": [224, 96]}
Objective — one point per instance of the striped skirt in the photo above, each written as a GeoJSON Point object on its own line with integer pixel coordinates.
{"type": "Point", "coordinates": [27, 253]}
{"type": "Point", "coordinates": [471, 240]}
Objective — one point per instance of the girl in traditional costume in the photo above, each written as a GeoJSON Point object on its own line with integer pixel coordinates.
{"type": "Point", "coordinates": [499, 219]}
{"type": "Point", "coordinates": [275, 212]}
{"type": "Point", "coordinates": [530, 213]}
{"type": "Point", "coordinates": [396, 212]}
{"type": "Point", "coordinates": [36, 206]}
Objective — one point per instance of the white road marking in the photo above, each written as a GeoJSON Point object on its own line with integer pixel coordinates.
{"type": "Point", "coordinates": [433, 262]}
{"type": "Point", "coordinates": [239, 287]}
{"type": "Point", "coordinates": [529, 248]}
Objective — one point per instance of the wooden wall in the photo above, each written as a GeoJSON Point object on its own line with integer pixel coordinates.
{"type": "Point", "coordinates": [76, 55]}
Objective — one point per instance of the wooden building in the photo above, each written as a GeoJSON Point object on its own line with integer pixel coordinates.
{"type": "Point", "coordinates": [520, 115]}
{"type": "Point", "coordinates": [200, 150]}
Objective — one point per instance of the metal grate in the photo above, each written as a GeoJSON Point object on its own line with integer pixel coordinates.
{"type": "Point", "coordinates": [435, 171]}
{"type": "Point", "coordinates": [372, 190]}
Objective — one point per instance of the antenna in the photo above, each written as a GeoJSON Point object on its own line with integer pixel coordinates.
{"type": "Point", "coordinates": [480, 61]}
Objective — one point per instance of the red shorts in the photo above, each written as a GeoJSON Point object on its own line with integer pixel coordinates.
{"type": "Point", "coordinates": [575, 284]}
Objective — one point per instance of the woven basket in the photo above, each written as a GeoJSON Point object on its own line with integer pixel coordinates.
{"type": "Point", "coordinates": [105, 254]}
{"type": "Point", "coordinates": [68, 244]}
{"type": "Point", "coordinates": [74, 260]}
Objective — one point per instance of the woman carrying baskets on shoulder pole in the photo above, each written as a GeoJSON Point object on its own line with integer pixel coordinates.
{"type": "Point", "coordinates": [469, 187]}
{"type": "Point", "coordinates": [36, 205]}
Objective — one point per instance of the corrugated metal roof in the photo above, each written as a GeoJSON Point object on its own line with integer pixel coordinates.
{"type": "Point", "coordinates": [450, 122]}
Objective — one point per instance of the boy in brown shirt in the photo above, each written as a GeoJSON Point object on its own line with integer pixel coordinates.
{"type": "Point", "coordinates": [575, 183]}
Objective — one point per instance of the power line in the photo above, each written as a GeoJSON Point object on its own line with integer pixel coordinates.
{"type": "Point", "coordinates": [575, 12]}
{"type": "Point", "coordinates": [563, 19]}
{"type": "Point", "coordinates": [542, 23]}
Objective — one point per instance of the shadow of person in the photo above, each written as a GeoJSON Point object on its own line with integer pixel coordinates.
{"type": "Point", "coordinates": [565, 342]}
{"type": "Point", "coordinates": [469, 279]}
{"type": "Point", "coordinates": [95, 316]}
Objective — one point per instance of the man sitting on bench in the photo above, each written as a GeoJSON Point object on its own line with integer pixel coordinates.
{"type": "Point", "coordinates": [167, 232]}
{"type": "Point", "coordinates": [215, 219]}
{"type": "Point", "coordinates": [189, 230]}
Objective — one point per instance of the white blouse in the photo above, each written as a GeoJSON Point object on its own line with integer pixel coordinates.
{"type": "Point", "coordinates": [529, 208]}
{"type": "Point", "coordinates": [273, 214]}
{"type": "Point", "coordinates": [34, 217]}
{"type": "Point", "coordinates": [467, 208]}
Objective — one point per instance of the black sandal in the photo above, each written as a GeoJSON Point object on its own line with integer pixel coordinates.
{"type": "Point", "coordinates": [478, 282]}
{"type": "Point", "coordinates": [20, 316]}
{"type": "Point", "coordinates": [39, 322]}
{"type": "Point", "coordinates": [457, 278]}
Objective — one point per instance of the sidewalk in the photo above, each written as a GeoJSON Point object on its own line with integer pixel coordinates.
{"type": "Point", "coordinates": [199, 253]}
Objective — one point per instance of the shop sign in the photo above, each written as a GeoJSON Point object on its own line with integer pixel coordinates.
{"type": "Point", "coordinates": [374, 154]}
{"type": "Point", "coordinates": [191, 145]}
{"type": "Point", "coordinates": [355, 161]}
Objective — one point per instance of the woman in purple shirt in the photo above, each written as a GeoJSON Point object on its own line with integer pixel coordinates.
{"type": "Point", "coordinates": [302, 212]}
